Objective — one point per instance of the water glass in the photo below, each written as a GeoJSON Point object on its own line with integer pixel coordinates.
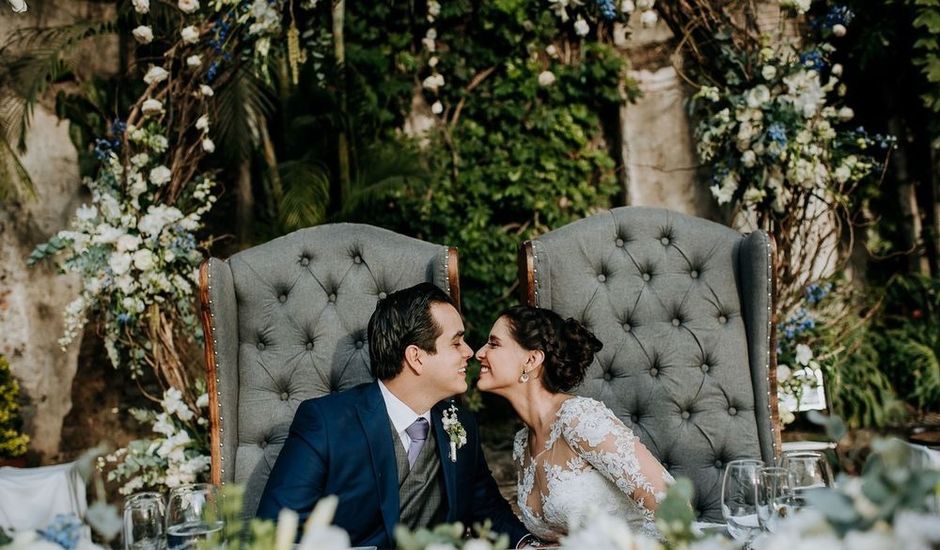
{"type": "Point", "coordinates": [774, 498]}
{"type": "Point", "coordinates": [144, 522]}
{"type": "Point", "coordinates": [193, 515]}
{"type": "Point", "coordinates": [809, 470]}
{"type": "Point", "coordinates": [739, 487]}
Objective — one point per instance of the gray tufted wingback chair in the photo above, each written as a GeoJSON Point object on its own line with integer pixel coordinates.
{"type": "Point", "coordinates": [286, 321]}
{"type": "Point", "coordinates": [684, 309]}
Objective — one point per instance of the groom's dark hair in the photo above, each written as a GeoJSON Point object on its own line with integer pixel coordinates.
{"type": "Point", "coordinates": [400, 320]}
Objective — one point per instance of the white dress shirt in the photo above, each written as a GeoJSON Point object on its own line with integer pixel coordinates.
{"type": "Point", "coordinates": [401, 415]}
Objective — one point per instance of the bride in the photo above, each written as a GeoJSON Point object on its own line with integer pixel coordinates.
{"type": "Point", "coordinates": [574, 457]}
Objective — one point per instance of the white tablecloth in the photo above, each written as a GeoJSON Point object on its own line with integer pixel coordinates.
{"type": "Point", "coordinates": [30, 498]}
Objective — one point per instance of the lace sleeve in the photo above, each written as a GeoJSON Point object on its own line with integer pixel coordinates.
{"type": "Point", "coordinates": [595, 433]}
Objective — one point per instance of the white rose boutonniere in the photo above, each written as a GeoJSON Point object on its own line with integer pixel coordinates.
{"type": "Point", "coordinates": [455, 430]}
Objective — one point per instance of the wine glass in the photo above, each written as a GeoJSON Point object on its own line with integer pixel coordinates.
{"type": "Point", "coordinates": [739, 487]}
{"type": "Point", "coordinates": [143, 522]}
{"type": "Point", "coordinates": [193, 514]}
{"type": "Point", "coordinates": [774, 498]}
{"type": "Point", "coordinates": [809, 470]}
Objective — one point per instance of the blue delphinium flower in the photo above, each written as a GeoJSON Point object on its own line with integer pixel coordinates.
{"type": "Point", "coordinates": [813, 60]}
{"type": "Point", "coordinates": [123, 318]}
{"type": "Point", "coordinates": [65, 530]}
{"type": "Point", "coordinates": [608, 11]}
{"type": "Point", "coordinates": [838, 15]}
{"type": "Point", "coordinates": [102, 148]}
{"type": "Point", "coordinates": [816, 292]}
{"type": "Point", "coordinates": [213, 70]}
{"type": "Point", "coordinates": [777, 133]}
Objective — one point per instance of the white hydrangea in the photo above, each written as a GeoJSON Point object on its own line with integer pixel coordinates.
{"type": "Point", "coordinates": [160, 175]}
{"type": "Point", "coordinates": [581, 27]}
{"type": "Point", "coordinates": [143, 34]}
{"type": "Point", "coordinates": [156, 74]}
{"type": "Point", "coordinates": [190, 34]}
{"type": "Point", "coordinates": [188, 6]}
{"type": "Point", "coordinates": [142, 6]}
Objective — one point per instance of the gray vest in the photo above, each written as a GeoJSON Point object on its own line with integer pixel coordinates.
{"type": "Point", "coordinates": [420, 489]}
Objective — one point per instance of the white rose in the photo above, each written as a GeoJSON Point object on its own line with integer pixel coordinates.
{"type": "Point", "coordinates": [142, 6]}
{"type": "Point", "coordinates": [202, 123]}
{"type": "Point", "coordinates": [645, 4]}
{"type": "Point", "coordinates": [86, 213]}
{"type": "Point", "coordinates": [768, 72]}
{"type": "Point", "coordinates": [127, 242]}
{"type": "Point", "coordinates": [19, 6]}
{"type": "Point", "coordinates": [581, 27]}
{"type": "Point", "coordinates": [433, 61]}
{"type": "Point", "coordinates": [649, 18]}
{"type": "Point", "coordinates": [206, 90]}
{"type": "Point", "coordinates": [160, 175]}
{"type": "Point", "coordinates": [120, 263]}
{"type": "Point", "coordinates": [837, 69]}
{"type": "Point", "coordinates": [749, 158]}
{"type": "Point", "coordinates": [546, 78]}
{"type": "Point", "coordinates": [190, 34]}
{"type": "Point", "coordinates": [803, 354]}
{"type": "Point", "coordinates": [627, 6]}
{"type": "Point", "coordinates": [846, 114]}
{"type": "Point", "coordinates": [551, 50]}
{"type": "Point", "coordinates": [839, 30]}
{"type": "Point", "coordinates": [151, 106]}
{"type": "Point", "coordinates": [208, 145]}
{"type": "Point", "coordinates": [156, 74]}
{"type": "Point", "coordinates": [143, 34]}
{"type": "Point", "coordinates": [188, 6]}
{"type": "Point", "coordinates": [842, 174]}
{"type": "Point", "coordinates": [144, 259]}
{"type": "Point", "coordinates": [168, 256]}
{"type": "Point", "coordinates": [193, 61]}
{"type": "Point", "coordinates": [437, 108]}
{"type": "Point", "coordinates": [783, 373]}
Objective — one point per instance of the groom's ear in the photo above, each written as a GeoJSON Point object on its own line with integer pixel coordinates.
{"type": "Point", "coordinates": [413, 358]}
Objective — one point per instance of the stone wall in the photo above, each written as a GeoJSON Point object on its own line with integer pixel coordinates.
{"type": "Point", "coordinates": [32, 299]}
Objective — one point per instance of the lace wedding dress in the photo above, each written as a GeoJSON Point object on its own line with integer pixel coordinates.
{"type": "Point", "coordinates": [592, 463]}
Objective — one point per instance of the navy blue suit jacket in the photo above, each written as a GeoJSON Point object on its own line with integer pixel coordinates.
{"type": "Point", "coordinates": [341, 444]}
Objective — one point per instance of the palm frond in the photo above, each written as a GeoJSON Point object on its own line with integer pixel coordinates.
{"type": "Point", "coordinates": [30, 62]}
{"type": "Point", "coordinates": [244, 103]}
{"type": "Point", "coordinates": [14, 180]}
{"type": "Point", "coordinates": [306, 194]}
{"type": "Point", "coordinates": [381, 169]}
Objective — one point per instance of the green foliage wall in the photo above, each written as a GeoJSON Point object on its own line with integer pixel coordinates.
{"type": "Point", "coordinates": [522, 158]}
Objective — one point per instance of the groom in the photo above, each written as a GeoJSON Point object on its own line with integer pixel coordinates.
{"type": "Point", "coordinates": [382, 447]}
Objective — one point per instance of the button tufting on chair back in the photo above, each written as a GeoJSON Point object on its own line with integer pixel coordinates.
{"type": "Point", "coordinates": [683, 307]}
{"type": "Point", "coordinates": [286, 321]}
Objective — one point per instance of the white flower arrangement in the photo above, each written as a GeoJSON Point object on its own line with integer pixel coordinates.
{"type": "Point", "coordinates": [131, 251]}
{"type": "Point", "coordinates": [775, 136]}
{"type": "Point", "coordinates": [176, 455]}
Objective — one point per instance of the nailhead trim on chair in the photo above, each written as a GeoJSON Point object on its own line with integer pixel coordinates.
{"type": "Point", "coordinates": [218, 392]}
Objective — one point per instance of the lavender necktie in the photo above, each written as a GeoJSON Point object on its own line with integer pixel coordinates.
{"type": "Point", "coordinates": [418, 432]}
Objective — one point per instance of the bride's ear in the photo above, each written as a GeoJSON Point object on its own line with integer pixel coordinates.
{"type": "Point", "coordinates": [535, 359]}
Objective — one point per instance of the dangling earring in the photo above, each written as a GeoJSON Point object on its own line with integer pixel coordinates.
{"type": "Point", "coordinates": [525, 377]}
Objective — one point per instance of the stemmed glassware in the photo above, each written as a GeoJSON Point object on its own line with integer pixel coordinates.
{"type": "Point", "coordinates": [774, 498]}
{"type": "Point", "coordinates": [809, 470]}
{"type": "Point", "coordinates": [739, 497]}
{"type": "Point", "coordinates": [144, 522]}
{"type": "Point", "coordinates": [193, 514]}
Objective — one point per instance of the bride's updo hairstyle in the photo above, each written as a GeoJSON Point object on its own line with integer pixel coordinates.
{"type": "Point", "coordinates": [569, 348]}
